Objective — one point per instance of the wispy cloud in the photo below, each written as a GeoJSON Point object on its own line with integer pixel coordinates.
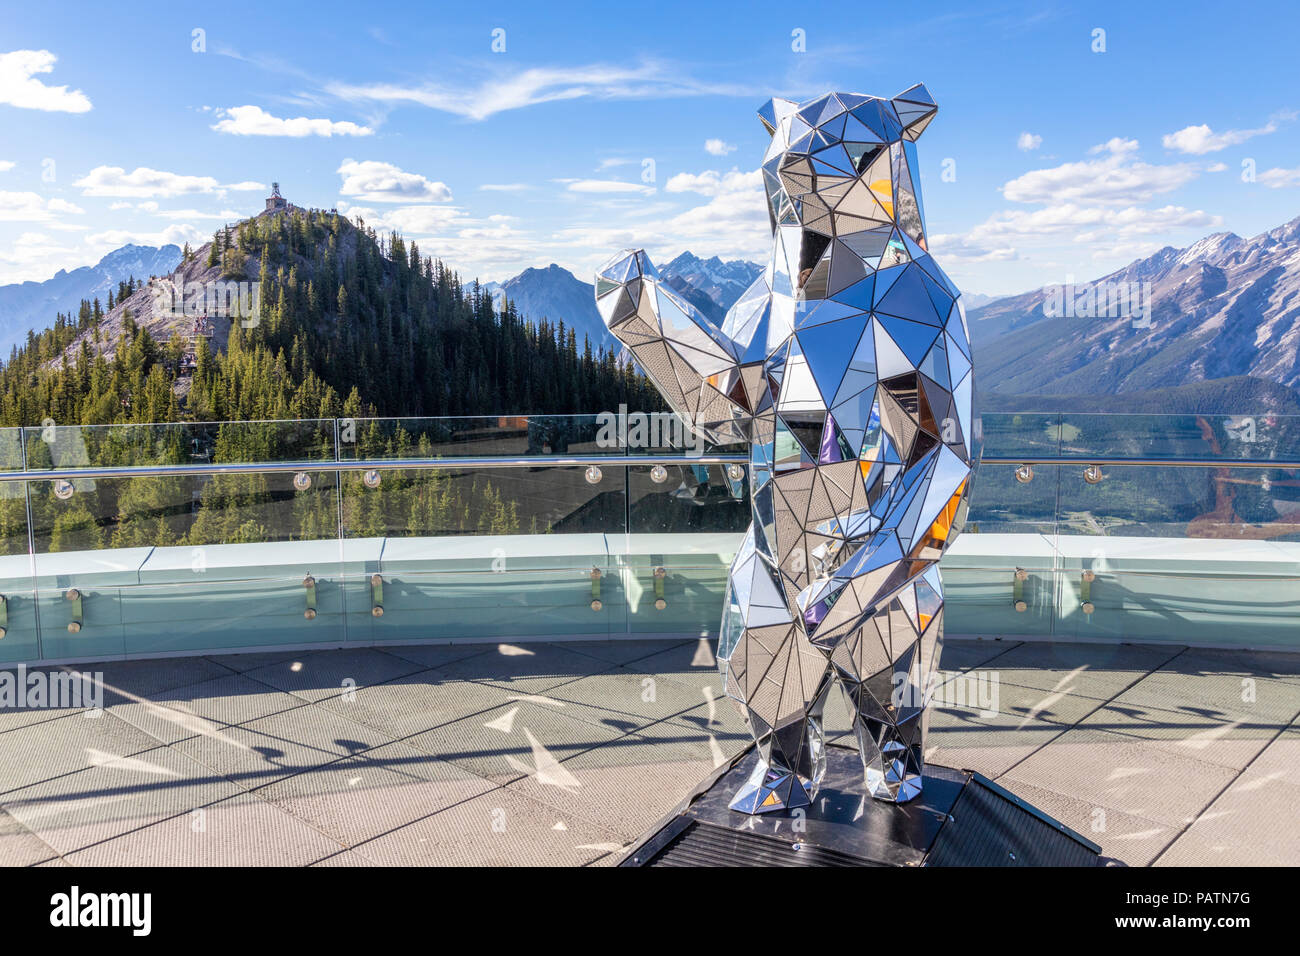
{"type": "Point", "coordinates": [145, 183]}
{"type": "Point", "coordinates": [1279, 178]}
{"type": "Point", "coordinates": [502, 92]}
{"type": "Point", "coordinates": [712, 183]}
{"type": "Point", "coordinates": [19, 86]}
{"type": "Point", "coordinates": [608, 187]}
{"type": "Point", "coordinates": [254, 121]}
{"type": "Point", "coordinates": [1199, 140]}
{"type": "Point", "coordinates": [30, 207]}
{"type": "Point", "coordinates": [1115, 178]}
{"type": "Point", "coordinates": [175, 234]}
{"type": "Point", "coordinates": [718, 147]}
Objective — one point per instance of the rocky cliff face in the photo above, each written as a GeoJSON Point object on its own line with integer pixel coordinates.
{"type": "Point", "coordinates": [1223, 306]}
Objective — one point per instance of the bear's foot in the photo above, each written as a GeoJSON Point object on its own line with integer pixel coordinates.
{"type": "Point", "coordinates": [768, 790]}
{"type": "Point", "coordinates": [894, 775]}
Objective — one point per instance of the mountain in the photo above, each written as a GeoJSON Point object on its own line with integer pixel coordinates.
{"type": "Point", "coordinates": [1224, 306]}
{"type": "Point", "coordinates": [33, 305]}
{"type": "Point", "coordinates": [710, 285]}
{"type": "Point", "coordinates": [975, 300]}
{"type": "Point", "coordinates": [556, 294]}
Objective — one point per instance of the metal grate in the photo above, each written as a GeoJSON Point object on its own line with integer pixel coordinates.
{"type": "Point", "coordinates": [703, 845]}
{"type": "Point", "coordinates": [989, 826]}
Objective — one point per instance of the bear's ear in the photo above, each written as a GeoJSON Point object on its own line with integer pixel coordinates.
{"type": "Point", "coordinates": [773, 111]}
{"type": "Point", "coordinates": [916, 108]}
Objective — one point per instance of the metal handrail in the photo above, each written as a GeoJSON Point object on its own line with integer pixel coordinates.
{"type": "Point", "coordinates": [372, 464]}
{"type": "Point", "coordinates": [560, 461]}
{"type": "Point", "coordinates": [1109, 461]}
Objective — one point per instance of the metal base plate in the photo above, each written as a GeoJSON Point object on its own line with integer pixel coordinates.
{"type": "Point", "coordinates": [959, 819]}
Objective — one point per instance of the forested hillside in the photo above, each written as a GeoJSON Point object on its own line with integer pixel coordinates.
{"type": "Point", "coordinates": [349, 324]}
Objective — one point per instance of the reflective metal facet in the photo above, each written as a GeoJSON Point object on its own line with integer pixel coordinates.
{"type": "Point", "coordinates": [846, 367]}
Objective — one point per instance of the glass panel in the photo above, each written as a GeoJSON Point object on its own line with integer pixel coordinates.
{"type": "Point", "coordinates": [1015, 434]}
{"type": "Point", "coordinates": [473, 501]}
{"type": "Point", "coordinates": [1198, 555]}
{"type": "Point", "coordinates": [496, 586]}
{"type": "Point", "coordinates": [174, 563]}
{"type": "Point", "coordinates": [1207, 437]}
{"type": "Point", "coordinates": [19, 637]}
{"type": "Point", "coordinates": [1002, 504]}
{"type": "Point", "coordinates": [482, 436]}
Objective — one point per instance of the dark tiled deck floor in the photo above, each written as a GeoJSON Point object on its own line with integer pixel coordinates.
{"type": "Point", "coordinates": [564, 753]}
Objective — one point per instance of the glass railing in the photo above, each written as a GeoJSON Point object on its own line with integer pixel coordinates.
{"type": "Point", "coordinates": [1132, 527]}
{"type": "Point", "coordinates": [155, 539]}
{"type": "Point", "coordinates": [182, 538]}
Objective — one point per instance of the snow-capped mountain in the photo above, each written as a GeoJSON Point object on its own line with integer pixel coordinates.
{"type": "Point", "coordinates": [557, 294]}
{"type": "Point", "coordinates": [1223, 306]}
{"type": "Point", "coordinates": [33, 305]}
{"type": "Point", "coordinates": [711, 285]}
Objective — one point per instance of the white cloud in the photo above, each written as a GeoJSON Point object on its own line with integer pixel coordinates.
{"type": "Point", "coordinates": [958, 248]}
{"type": "Point", "coordinates": [1279, 178]}
{"type": "Point", "coordinates": [732, 223]}
{"type": "Point", "coordinates": [1018, 225]}
{"type": "Point", "coordinates": [143, 182]}
{"type": "Point", "coordinates": [373, 181]}
{"type": "Point", "coordinates": [1199, 140]}
{"type": "Point", "coordinates": [36, 256]}
{"type": "Point", "coordinates": [178, 234]}
{"type": "Point", "coordinates": [1216, 167]}
{"type": "Point", "coordinates": [611, 161]}
{"type": "Point", "coordinates": [19, 86]}
{"type": "Point", "coordinates": [1004, 235]}
{"type": "Point", "coordinates": [608, 186]}
{"type": "Point", "coordinates": [31, 207]}
{"type": "Point", "coordinates": [504, 187]}
{"type": "Point", "coordinates": [254, 121]}
{"type": "Point", "coordinates": [717, 147]}
{"type": "Point", "coordinates": [62, 205]}
{"type": "Point", "coordinates": [1116, 145]}
{"type": "Point", "coordinates": [6, 165]}
{"type": "Point", "coordinates": [537, 85]}
{"type": "Point", "coordinates": [711, 183]}
{"type": "Point", "coordinates": [1029, 141]}
{"type": "Point", "coordinates": [417, 220]}
{"type": "Point", "coordinates": [1114, 178]}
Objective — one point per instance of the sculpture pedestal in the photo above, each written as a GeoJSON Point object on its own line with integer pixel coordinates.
{"type": "Point", "coordinates": [960, 819]}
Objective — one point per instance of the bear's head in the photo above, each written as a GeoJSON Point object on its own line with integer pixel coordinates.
{"type": "Point", "coordinates": [844, 166]}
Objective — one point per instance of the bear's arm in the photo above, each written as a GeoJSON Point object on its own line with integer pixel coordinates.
{"type": "Point", "coordinates": [690, 360]}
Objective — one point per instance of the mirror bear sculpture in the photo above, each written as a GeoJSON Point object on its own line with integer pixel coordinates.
{"type": "Point", "coordinates": [846, 368]}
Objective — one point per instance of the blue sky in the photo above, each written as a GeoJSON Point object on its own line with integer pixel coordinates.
{"type": "Point", "coordinates": [612, 124]}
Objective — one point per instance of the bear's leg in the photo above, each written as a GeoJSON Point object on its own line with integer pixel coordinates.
{"type": "Point", "coordinates": [889, 703]}
{"type": "Point", "coordinates": [780, 683]}
{"type": "Point", "coordinates": [792, 754]}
